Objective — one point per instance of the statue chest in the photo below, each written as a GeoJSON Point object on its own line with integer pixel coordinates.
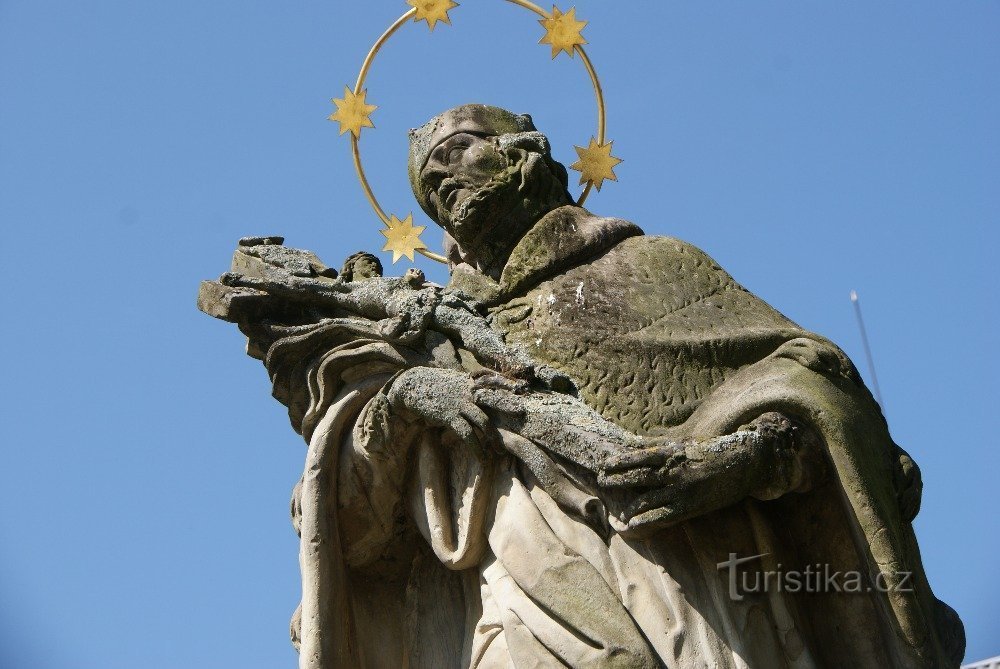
{"type": "Point", "coordinates": [591, 331]}
{"type": "Point", "coordinates": [646, 331]}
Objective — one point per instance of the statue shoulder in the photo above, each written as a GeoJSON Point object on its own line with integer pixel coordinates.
{"type": "Point", "coordinates": [675, 260]}
{"type": "Point", "coordinates": [669, 260]}
{"type": "Point", "coordinates": [666, 247]}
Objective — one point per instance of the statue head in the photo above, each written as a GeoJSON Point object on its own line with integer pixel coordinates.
{"type": "Point", "coordinates": [360, 266]}
{"type": "Point", "coordinates": [486, 176]}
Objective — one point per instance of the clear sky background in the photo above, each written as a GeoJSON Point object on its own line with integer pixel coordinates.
{"type": "Point", "coordinates": [810, 147]}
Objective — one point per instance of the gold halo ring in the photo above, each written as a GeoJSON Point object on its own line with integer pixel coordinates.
{"type": "Point", "coordinates": [353, 111]}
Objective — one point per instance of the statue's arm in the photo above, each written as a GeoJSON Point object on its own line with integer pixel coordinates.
{"type": "Point", "coordinates": [643, 479]}
{"type": "Point", "coordinates": [653, 480]}
{"type": "Point", "coordinates": [765, 459]}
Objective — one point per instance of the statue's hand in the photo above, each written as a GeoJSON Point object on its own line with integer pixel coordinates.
{"type": "Point", "coordinates": [442, 398]}
{"type": "Point", "coordinates": [674, 481]}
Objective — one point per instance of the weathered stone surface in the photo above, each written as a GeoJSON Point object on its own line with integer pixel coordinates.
{"type": "Point", "coordinates": [550, 461]}
{"type": "Point", "coordinates": [258, 241]}
{"type": "Point", "coordinates": [253, 260]}
{"type": "Point", "coordinates": [224, 302]}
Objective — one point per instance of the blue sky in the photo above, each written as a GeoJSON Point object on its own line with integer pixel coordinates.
{"type": "Point", "coordinates": [811, 148]}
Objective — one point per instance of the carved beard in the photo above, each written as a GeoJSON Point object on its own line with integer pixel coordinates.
{"type": "Point", "coordinates": [488, 223]}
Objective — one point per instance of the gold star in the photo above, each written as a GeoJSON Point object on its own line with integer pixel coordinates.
{"type": "Point", "coordinates": [353, 112]}
{"type": "Point", "coordinates": [562, 31]}
{"type": "Point", "coordinates": [432, 11]}
{"type": "Point", "coordinates": [596, 163]}
{"type": "Point", "coordinates": [402, 237]}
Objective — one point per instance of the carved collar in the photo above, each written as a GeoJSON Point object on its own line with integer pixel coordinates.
{"type": "Point", "coordinates": [563, 238]}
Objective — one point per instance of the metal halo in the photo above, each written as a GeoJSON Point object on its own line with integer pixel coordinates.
{"type": "Point", "coordinates": [359, 87]}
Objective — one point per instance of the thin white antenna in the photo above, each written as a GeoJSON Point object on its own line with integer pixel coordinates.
{"type": "Point", "coordinates": [868, 349]}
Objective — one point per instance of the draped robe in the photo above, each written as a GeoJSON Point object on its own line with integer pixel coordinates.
{"type": "Point", "coordinates": [418, 551]}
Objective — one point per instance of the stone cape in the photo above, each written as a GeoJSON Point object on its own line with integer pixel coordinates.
{"type": "Point", "coordinates": [659, 340]}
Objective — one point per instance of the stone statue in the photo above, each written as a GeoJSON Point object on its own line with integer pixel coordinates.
{"type": "Point", "coordinates": [579, 450]}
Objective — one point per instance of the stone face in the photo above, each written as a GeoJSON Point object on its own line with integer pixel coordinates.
{"type": "Point", "coordinates": [578, 453]}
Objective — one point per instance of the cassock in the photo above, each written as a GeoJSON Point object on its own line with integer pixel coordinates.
{"type": "Point", "coordinates": [418, 551]}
